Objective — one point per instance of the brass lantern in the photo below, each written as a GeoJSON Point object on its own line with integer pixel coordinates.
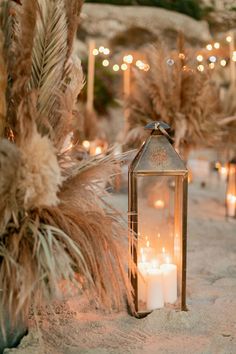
{"type": "Point", "coordinates": [231, 190]}
{"type": "Point", "coordinates": [158, 182]}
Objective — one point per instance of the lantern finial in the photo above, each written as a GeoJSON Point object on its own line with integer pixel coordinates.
{"type": "Point", "coordinates": [160, 127]}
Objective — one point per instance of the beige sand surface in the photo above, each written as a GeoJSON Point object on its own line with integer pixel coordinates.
{"type": "Point", "coordinates": [209, 327]}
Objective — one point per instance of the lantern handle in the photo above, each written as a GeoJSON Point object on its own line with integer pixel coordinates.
{"type": "Point", "coordinates": [161, 126]}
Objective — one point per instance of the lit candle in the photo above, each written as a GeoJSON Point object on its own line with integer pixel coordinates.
{"type": "Point", "coordinates": [223, 173]}
{"type": "Point", "coordinates": [155, 296]}
{"type": "Point", "coordinates": [169, 282]}
{"type": "Point", "coordinates": [147, 252]}
{"type": "Point", "coordinates": [231, 205]}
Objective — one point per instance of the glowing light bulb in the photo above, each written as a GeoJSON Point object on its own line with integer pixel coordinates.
{"type": "Point", "coordinates": [216, 45]}
{"type": "Point", "coordinates": [212, 59]}
{"type": "Point", "coordinates": [229, 39]}
{"type": "Point", "coordinates": [211, 65]}
{"type": "Point", "coordinates": [116, 67]}
{"type": "Point", "coordinates": [200, 68]}
{"type": "Point", "coordinates": [124, 66]}
{"type": "Point", "coordinates": [101, 49]}
{"type": "Point", "coordinates": [106, 51]}
{"type": "Point", "coordinates": [209, 47]}
{"type": "Point", "coordinates": [105, 62]}
{"type": "Point", "coordinates": [223, 62]}
{"type": "Point", "coordinates": [200, 58]}
{"type": "Point", "coordinates": [146, 67]}
{"type": "Point", "coordinates": [170, 62]}
{"type": "Point", "coordinates": [128, 59]}
{"type": "Point", "coordinates": [181, 55]}
{"type": "Point", "coordinates": [95, 51]}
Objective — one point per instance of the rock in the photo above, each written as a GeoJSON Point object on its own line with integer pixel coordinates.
{"type": "Point", "coordinates": [108, 21]}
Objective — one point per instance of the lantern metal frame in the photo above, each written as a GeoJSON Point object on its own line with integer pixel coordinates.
{"type": "Point", "coordinates": [159, 129]}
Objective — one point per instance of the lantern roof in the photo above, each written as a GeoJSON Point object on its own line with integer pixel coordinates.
{"type": "Point", "coordinates": [157, 155]}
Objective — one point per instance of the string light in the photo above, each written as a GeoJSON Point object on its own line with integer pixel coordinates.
{"type": "Point", "coordinates": [106, 51]}
{"type": "Point", "coordinates": [200, 58]}
{"type": "Point", "coordinates": [216, 45]}
{"type": "Point", "coordinates": [140, 64]}
{"type": "Point", "coordinates": [95, 51]}
{"type": "Point", "coordinates": [170, 62]}
{"type": "Point", "coordinates": [228, 39]}
{"type": "Point", "coordinates": [116, 67]}
{"type": "Point", "coordinates": [105, 62]}
{"type": "Point", "coordinates": [124, 66]}
{"type": "Point", "coordinates": [211, 65]}
{"type": "Point", "coordinates": [223, 62]}
{"type": "Point", "coordinates": [128, 59]}
{"type": "Point", "coordinates": [209, 47]}
{"type": "Point", "coordinates": [181, 55]}
{"type": "Point", "coordinates": [101, 49]}
{"type": "Point", "coordinates": [200, 68]}
{"type": "Point", "coordinates": [146, 67]}
{"type": "Point", "coordinates": [212, 59]}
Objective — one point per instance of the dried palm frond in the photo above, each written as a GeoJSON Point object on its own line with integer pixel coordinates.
{"type": "Point", "coordinates": [19, 56]}
{"type": "Point", "coordinates": [3, 86]}
{"type": "Point", "coordinates": [73, 8]}
{"type": "Point", "coordinates": [173, 91]}
{"type": "Point", "coordinates": [49, 56]}
{"type": "Point", "coordinates": [68, 99]}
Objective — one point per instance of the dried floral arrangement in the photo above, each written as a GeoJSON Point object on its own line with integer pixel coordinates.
{"type": "Point", "coordinates": [174, 91]}
{"type": "Point", "coordinates": [54, 223]}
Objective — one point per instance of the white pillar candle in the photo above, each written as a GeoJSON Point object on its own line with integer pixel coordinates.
{"type": "Point", "coordinates": [231, 204]}
{"type": "Point", "coordinates": [169, 282]}
{"type": "Point", "coordinates": [155, 298]}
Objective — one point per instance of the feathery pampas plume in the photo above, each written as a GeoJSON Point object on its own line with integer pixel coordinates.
{"type": "Point", "coordinates": [176, 93]}
{"type": "Point", "coordinates": [54, 222]}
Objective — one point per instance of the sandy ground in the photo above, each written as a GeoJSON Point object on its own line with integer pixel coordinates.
{"type": "Point", "coordinates": [209, 327]}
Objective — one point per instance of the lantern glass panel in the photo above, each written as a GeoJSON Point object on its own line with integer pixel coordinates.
{"type": "Point", "coordinates": [159, 210]}
{"type": "Point", "coordinates": [231, 190]}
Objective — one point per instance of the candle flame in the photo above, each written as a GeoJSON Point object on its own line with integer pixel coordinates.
{"type": "Point", "coordinates": [148, 243]}
{"type": "Point", "coordinates": [163, 250]}
{"type": "Point", "coordinates": [159, 204]}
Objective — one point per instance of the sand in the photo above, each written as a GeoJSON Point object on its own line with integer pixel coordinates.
{"type": "Point", "coordinates": [209, 327]}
